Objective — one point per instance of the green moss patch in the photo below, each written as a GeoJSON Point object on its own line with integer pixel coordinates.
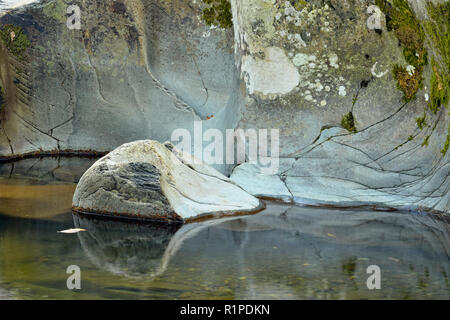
{"type": "Point", "coordinates": [408, 83]}
{"type": "Point", "coordinates": [218, 13]}
{"type": "Point", "coordinates": [2, 98]}
{"type": "Point", "coordinates": [447, 142]}
{"type": "Point", "coordinates": [299, 4]}
{"type": "Point", "coordinates": [439, 90]}
{"type": "Point", "coordinates": [14, 39]}
{"type": "Point", "coordinates": [409, 32]}
{"type": "Point", "coordinates": [438, 28]}
{"type": "Point", "coordinates": [348, 123]}
{"type": "Point", "coordinates": [422, 121]}
{"type": "Point", "coordinates": [426, 141]}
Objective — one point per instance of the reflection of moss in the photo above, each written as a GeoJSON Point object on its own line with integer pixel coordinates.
{"type": "Point", "coordinates": [218, 13]}
{"type": "Point", "coordinates": [14, 39]}
{"type": "Point", "coordinates": [410, 35]}
{"type": "Point", "coordinates": [349, 267]}
{"type": "Point", "coordinates": [348, 123]}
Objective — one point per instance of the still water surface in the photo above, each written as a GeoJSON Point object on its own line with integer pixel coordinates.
{"type": "Point", "coordinates": [284, 252]}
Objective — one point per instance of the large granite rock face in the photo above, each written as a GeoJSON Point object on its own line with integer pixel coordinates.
{"type": "Point", "coordinates": [141, 69]}
{"type": "Point", "coordinates": [148, 180]}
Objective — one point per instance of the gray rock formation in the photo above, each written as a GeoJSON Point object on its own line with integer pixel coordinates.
{"type": "Point", "coordinates": [141, 69]}
{"type": "Point", "coordinates": [148, 180]}
{"type": "Point", "coordinates": [303, 253]}
{"type": "Point", "coordinates": [324, 62]}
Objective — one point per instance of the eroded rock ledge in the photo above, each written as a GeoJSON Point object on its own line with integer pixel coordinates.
{"type": "Point", "coordinates": [153, 181]}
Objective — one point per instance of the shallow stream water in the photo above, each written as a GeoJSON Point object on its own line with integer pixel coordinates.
{"type": "Point", "coordinates": [284, 252]}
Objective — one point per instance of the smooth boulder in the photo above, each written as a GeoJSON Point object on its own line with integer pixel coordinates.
{"type": "Point", "coordinates": [149, 180]}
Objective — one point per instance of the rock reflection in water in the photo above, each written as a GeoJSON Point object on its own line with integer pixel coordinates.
{"type": "Point", "coordinates": [124, 247]}
{"type": "Point", "coordinates": [132, 248]}
{"type": "Point", "coordinates": [283, 252]}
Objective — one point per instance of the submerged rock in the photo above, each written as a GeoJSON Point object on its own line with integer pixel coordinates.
{"type": "Point", "coordinates": [148, 180]}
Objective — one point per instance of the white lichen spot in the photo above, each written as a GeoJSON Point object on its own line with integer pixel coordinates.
{"type": "Point", "coordinates": [427, 97]}
{"type": "Point", "coordinates": [319, 87]}
{"type": "Point", "coordinates": [323, 103]}
{"type": "Point", "coordinates": [276, 74]}
{"type": "Point", "coordinates": [375, 74]}
{"type": "Point", "coordinates": [327, 88]}
{"type": "Point", "coordinates": [342, 91]}
{"type": "Point", "coordinates": [333, 59]}
{"type": "Point", "coordinates": [410, 69]}
{"type": "Point", "coordinates": [299, 40]}
{"type": "Point", "coordinates": [308, 98]}
{"type": "Point", "coordinates": [302, 59]}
